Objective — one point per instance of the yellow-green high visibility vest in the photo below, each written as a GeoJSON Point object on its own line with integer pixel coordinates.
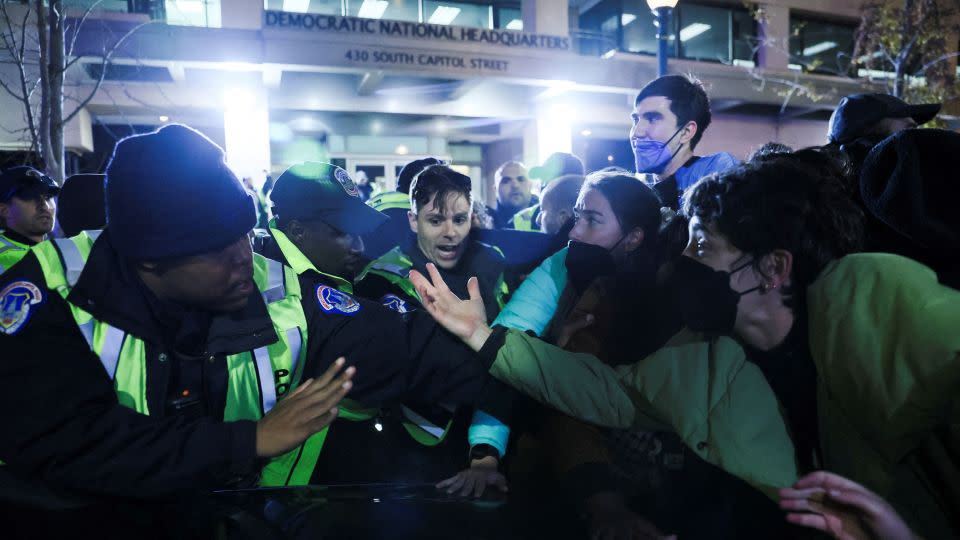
{"type": "Point", "coordinates": [390, 200]}
{"type": "Point", "coordinates": [11, 252]}
{"type": "Point", "coordinates": [256, 379]}
{"type": "Point", "coordinates": [523, 220]}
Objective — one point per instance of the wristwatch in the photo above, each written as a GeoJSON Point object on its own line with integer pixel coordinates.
{"type": "Point", "coordinates": [480, 451]}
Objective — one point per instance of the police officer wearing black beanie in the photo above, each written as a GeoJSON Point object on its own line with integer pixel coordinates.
{"type": "Point", "coordinates": [149, 364]}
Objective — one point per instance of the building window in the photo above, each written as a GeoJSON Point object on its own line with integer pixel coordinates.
{"type": "Point", "coordinates": [599, 31]}
{"type": "Point", "coordinates": [122, 6]}
{"type": "Point", "coordinates": [395, 10]}
{"type": "Point", "coordinates": [458, 13]}
{"type": "Point", "coordinates": [193, 12]}
{"type": "Point", "coordinates": [318, 7]}
{"type": "Point", "coordinates": [820, 46]}
{"type": "Point", "coordinates": [700, 32]}
{"type": "Point", "coordinates": [463, 13]}
{"type": "Point", "coordinates": [507, 18]}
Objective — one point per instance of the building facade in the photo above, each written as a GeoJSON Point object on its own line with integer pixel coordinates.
{"type": "Point", "coordinates": [372, 84]}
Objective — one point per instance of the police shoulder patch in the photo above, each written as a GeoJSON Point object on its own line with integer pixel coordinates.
{"type": "Point", "coordinates": [347, 183]}
{"type": "Point", "coordinates": [394, 302]}
{"type": "Point", "coordinates": [333, 301]}
{"type": "Point", "coordinates": [16, 302]}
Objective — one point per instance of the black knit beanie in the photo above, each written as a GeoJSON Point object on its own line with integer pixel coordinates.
{"type": "Point", "coordinates": [80, 205]}
{"type": "Point", "coordinates": [170, 194]}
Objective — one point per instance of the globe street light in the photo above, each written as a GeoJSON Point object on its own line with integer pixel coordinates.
{"type": "Point", "coordinates": [662, 9]}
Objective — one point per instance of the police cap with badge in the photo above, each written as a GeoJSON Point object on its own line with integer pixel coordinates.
{"type": "Point", "coordinates": [325, 192]}
{"type": "Point", "coordinates": [26, 183]}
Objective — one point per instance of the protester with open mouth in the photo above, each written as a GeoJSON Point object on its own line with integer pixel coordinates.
{"type": "Point", "coordinates": [440, 213]}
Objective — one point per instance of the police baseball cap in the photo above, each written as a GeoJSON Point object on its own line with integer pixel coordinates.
{"type": "Point", "coordinates": [21, 179]}
{"type": "Point", "coordinates": [556, 165]}
{"type": "Point", "coordinates": [313, 190]}
{"type": "Point", "coordinates": [857, 113]}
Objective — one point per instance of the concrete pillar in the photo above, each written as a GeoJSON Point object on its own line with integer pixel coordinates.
{"type": "Point", "coordinates": [246, 132]}
{"type": "Point", "coordinates": [241, 14]}
{"type": "Point", "coordinates": [774, 32]}
{"type": "Point", "coordinates": [545, 16]}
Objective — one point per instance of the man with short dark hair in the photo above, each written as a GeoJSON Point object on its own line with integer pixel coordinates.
{"type": "Point", "coordinates": [27, 209]}
{"type": "Point", "coordinates": [669, 117]}
{"type": "Point", "coordinates": [556, 165]}
{"type": "Point", "coordinates": [395, 205]}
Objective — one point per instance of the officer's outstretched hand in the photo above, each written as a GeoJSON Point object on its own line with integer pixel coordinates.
{"type": "Point", "coordinates": [307, 410]}
{"type": "Point", "coordinates": [466, 319]}
{"type": "Point", "coordinates": [842, 508]}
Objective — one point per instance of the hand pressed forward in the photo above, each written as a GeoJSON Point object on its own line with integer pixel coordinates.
{"type": "Point", "coordinates": [307, 410]}
{"type": "Point", "coordinates": [842, 508]}
{"type": "Point", "coordinates": [474, 480]}
{"type": "Point", "coordinates": [465, 319]}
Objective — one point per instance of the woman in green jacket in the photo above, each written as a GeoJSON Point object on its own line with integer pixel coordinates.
{"type": "Point", "coordinates": [854, 360]}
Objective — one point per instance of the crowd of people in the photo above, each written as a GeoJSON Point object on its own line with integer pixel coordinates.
{"type": "Point", "coordinates": [699, 348]}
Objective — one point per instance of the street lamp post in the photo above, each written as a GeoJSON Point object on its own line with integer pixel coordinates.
{"type": "Point", "coordinates": [662, 9]}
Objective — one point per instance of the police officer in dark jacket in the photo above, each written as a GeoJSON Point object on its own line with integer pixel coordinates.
{"type": "Point", "coordinates": [318, 231]}
{"type": "Point", "coordinates": [149, 363]}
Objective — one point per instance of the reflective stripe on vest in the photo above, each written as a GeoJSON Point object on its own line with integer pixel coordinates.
{"type": "Point", "coordinates": [73, 261]}
{"type": "Point", "coordinates": [275, 290]}
{"type": "Point", "coordinates": [110, 350]}
{"type": "Point", "coordinates": [428, 432]}
{"type": "Point", "coordinates": [256, 380]}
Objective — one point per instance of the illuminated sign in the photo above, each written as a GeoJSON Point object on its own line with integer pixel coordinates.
{"type": "Point", "coordinates": [406, 29]}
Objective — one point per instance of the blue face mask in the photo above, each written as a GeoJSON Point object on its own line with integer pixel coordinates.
{"type": "Point", "coordinates": [653, 156]}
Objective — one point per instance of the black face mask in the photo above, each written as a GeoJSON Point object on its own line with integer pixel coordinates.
{"type": "Point", "coordinates": [586, 262]}
{"type": "Point", "coordinates": [704, 297]}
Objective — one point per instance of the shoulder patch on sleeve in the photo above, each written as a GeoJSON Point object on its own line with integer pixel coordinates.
{"type": "Point", "coordinates": [16, 302]}
{"type": "Point", "coordinates": [333, 301]}
{"type": "Point", "coordinates": [394, 302]}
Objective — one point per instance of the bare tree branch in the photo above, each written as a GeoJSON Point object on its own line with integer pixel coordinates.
{"type": "Point", "coordinates": [76, 29]}
{"type": "Point", "coordinates": [103, 69]}
{"type": "Point", "coordinates": [936, 61]}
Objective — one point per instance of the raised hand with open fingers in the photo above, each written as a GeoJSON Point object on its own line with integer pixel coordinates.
{"type": "Point", "coordinates": [307, 410]}
{"type": "Point", "coordinates": [465, 319]}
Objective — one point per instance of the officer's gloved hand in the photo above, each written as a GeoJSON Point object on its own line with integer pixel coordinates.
{"type": "Point", "coordinates": [309, 409]}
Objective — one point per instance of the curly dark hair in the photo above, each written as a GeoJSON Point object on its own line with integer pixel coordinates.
{"type": "Point", "coordinates": [796, 202]}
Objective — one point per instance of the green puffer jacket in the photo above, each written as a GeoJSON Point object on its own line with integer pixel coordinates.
{"type": "Point", "coordinates": [705, 391]}
{"type": "Point", "coordinates": [885, 337]}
